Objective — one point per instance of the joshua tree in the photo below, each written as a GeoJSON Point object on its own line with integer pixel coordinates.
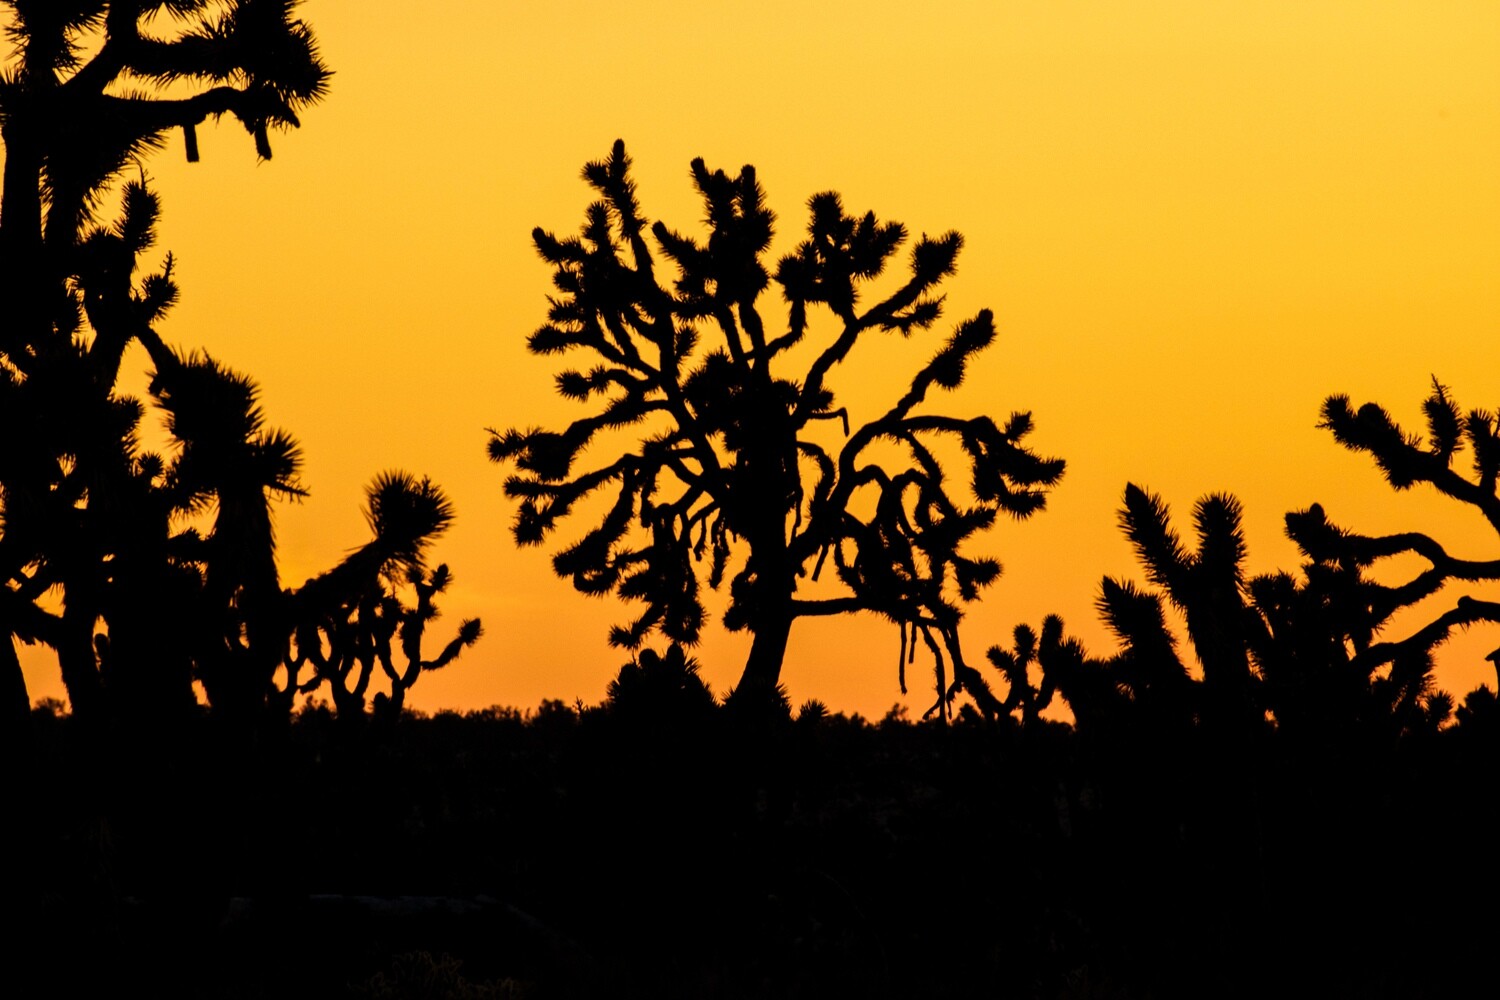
{"type": "Point", "coordinates": [722, 450]}
{"type": "Point", "coordinates": [1209, 588]}
{"type": "Point", "coordinates": [346, 620]}
{"type": "Point", "coordinates": [1406, 461]}
{"type": "Point", "coordinates": [410, 623]}
{"type": "Point", "coordinates": [89, 511]}
{"type": "Point", "coordinates": [1300, 649]}
{"type": "Point", "coordinates": [1014, 665]}
{"type": "Point", "coordinates": [1146, 678]}
{"type": "Point", "coordinates": [85, 510]}
{"type": "Point", "coordinates": [228, 458]}
{"type": "Point", "coordinates": [96, 86]}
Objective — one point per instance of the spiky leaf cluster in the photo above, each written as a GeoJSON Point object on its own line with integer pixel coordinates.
{"type": "Point", "coordinates": [1275, 650]}
{"type": "Point", "coordinates": [96, 70]}
{"type": "Point", "coordinates": [1407, 460]}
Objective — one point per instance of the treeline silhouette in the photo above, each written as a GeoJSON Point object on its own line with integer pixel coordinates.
{"type": "Point", "coordinates": [655, 845]}
{"type": "Point", "coordinates": [149, 572]}
{"type": "Point", "coordinates": [239, 803]}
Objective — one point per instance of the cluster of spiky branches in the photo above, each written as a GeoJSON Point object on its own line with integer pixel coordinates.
{"type": "Point", "coordinates": [88, 95]}
{"type": "Point", "coordinates": [1406, 461]}
{"type": "Point", "coordinates": [1301, 651]}
{"type": "Point", "coordinates": [117, 528]}
{"type": "Point", "coordinates": [89, 514]}
{"type": "Point", "coordinates": [723, 452]}
{"type": "Point", "coordinates": [94, 86]}
{"type": "Point", "coordinates": [355, 617]}
{"type": "Point", "coordinates": [1206, 585]}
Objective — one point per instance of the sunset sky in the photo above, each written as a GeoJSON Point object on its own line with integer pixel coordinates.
{"type": "Point", "coordinates": [1193, 221]}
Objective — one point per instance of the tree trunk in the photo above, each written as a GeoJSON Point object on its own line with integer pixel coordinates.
{"type": "Point", "coordinates": [17, 702]}
{"type": "Point", "coordinates": [80, 665]}
{"type": "Point", "coordinates": [763, 668]}
{"type": "Point", "coordinates": [768, 483]}
{"type": "Point", "coordinates": [23, 285]}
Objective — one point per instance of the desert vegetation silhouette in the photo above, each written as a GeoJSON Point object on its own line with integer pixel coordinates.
{"type": "Point", "coordinates": [150, 601]}
{"type": "Point", "coordinates": [722, 458]}
{"type": "Point", "coordinates": [1304, 655]}
{"type": "Point", "coordinates": [1246, 802]}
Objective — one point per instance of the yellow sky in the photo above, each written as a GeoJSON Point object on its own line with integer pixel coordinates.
{"type": "Point", "coordinates": [1193, 221]}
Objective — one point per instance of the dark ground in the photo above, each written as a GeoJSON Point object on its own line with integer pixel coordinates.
{"type": "Point", "coordinates": [562, 855]}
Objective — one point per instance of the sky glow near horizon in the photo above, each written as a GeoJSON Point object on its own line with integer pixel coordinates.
{"type": "Point", "coordinates": [1193, 222]}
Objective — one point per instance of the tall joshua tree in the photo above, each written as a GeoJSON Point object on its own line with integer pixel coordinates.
{"type": "Point", "coordinates": [723, 458]}
{"type": "Point", "coordinates": [89, 511]}
{"type": "Point", "coordinates": [85, 510]}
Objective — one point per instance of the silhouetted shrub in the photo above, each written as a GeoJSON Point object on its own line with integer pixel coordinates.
{"type": "Point", "coordinates": [655, 690]}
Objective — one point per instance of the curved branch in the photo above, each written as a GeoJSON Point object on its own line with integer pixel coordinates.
{"type": "Point", "coordinates": [1467, 612]}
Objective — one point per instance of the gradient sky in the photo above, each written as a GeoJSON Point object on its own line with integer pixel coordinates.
{"type": "Point", "coordinates": [1193, 221]}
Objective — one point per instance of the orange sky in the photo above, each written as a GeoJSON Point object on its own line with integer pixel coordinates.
{"type": "Point", "coordinates": [1193, 221]}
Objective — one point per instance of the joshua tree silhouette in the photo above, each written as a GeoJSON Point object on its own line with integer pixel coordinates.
{"type": "Point", "coordinates": [346, 620]}
{"type": "Point", "coordinates": [88, 510]}
{"type": "Point", "coordinates": [723, 453]}
{"type": "Point", "coordinates": [1406, 461]}
{"type": "Point", "coordinates": [1299, 651]}
{"type": "Point", "coordinates": [85, 510]}
{"type": "Point", "coordinates": [1208, 586]}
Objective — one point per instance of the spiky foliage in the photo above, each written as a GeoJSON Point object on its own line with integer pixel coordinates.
{"type": "Point", "coordinates": [662, 692]}
{"type": "Point", "coordinates": [1302, 652]}
{"type": "Point", "coordinates": [1015, 666]}
{"type": "Point", "coordinates": [1086, 684]}
{"type": "Point", "coordinates": [90, 88]}
{"type": "Point", "coordinates": [1274, 646]}
{"type": "Point", "coordinates": [114, 527]}
{"type": "Point", "coordinates": [89, 94]}
{"type": "Point", "coordinates": [1294, 650]}
{"type": "Point", "coordinates": [355, 618]}
{"type": "Point", "coordinates": [407, 625]}
{"type": "Point", "coordinates": [722, 452]}
{"type": "Point", "coordinates": [1406, 461]}
{"type": "Point", "coordinates": [95, 86]}
{"type": "Point", "coordinates": [1206, 585]}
